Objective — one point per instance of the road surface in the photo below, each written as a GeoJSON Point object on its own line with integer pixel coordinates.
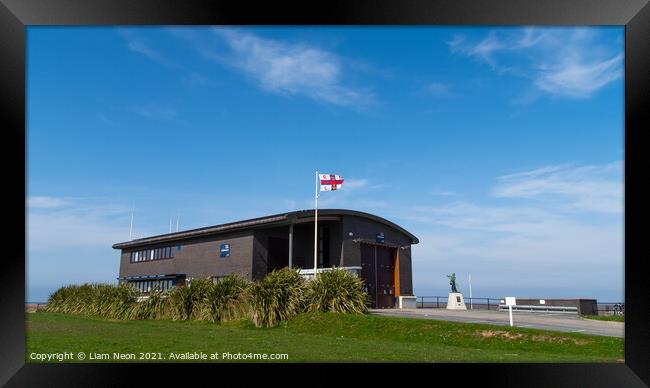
{"type": "Point", "coordinates": [537, 320]}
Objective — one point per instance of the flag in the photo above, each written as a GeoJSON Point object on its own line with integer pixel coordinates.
{"type": "Point", "coordinates": [330, 182]}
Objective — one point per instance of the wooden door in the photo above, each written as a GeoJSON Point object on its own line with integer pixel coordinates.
{"type": "Point", "coordinates": [378, 274]}
{"type": "Point", "coordinates": [368, 273]}
{"type": "Point", "coordinates": [385, 277]}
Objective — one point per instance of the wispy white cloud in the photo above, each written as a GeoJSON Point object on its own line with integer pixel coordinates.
{"type": "Point", "coordinates": [69, 241]}
{"type": "Point", "coordinates": [355, 183]}
{"type": "Point", "coordinates": [560, 255]}
{"type": "Point", "coordinates": [559, 61]}
{"type": "Point", "coordinates": [140, 45]}
{"type": "Point", "coordinates": [463, 215]}
{"type": "Point", "coordinates": [137, 43]}
{"type": "Point", "coordinates": [439, 89]}
{"type": "Point", "coordinates": [482, 50]}
{"type": "Point", "coordinates": [545, 227]}
{"type": "Point", "coordinates": [156, 111]}
{"type": "Point", "coordinates": [45, 202]}
{"type": "Point", "coordinates": [289, 68]}
{"type": "Point", "coordinates": [54, 222]}
{"type": "Point", "coordinates": [597, 188]}
{"type": "Point", "coordinates": [512, 246]}
{"type": "Point", "coordinates": [443, 193]}
{"type": "Point", "coordinates": [578, 78]}
{"type": "Point", "coordinates": [197, 79]}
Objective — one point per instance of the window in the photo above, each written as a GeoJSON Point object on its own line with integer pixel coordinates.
{"type": "Point", "coordinates": [147, 286]}
{"type": "Point", "coordinates": [152, 254]}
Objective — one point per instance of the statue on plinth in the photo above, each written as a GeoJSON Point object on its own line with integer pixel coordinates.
{"type": "Point", "coordinates": [452, 282]}
{"type": "Point", "coordinates": [455, 301]}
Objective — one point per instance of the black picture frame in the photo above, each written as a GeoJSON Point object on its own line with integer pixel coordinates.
{"type": "Point", "coordinates": [17, 15]}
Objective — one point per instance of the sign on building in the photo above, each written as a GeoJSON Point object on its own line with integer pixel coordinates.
{"type": "Point", "coordinates": [225, 250]}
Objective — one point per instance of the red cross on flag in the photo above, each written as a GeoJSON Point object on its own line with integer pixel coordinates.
{"type": "Point", "coordinates": [330, 182]}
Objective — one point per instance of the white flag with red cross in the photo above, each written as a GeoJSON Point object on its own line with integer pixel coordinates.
{"type": "Point", "coordinates": [330, 182]}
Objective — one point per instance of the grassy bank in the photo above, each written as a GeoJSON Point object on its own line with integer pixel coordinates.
{"type": "Point", "coordinates": [612, 318]}
{"type": "Point", "coordinates": [318, 337]}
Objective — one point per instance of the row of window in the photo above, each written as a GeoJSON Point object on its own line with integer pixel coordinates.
{"type": "Point", "coordinates": [149, 285]}
{"type": "Point", "coordinates": [152, 254]}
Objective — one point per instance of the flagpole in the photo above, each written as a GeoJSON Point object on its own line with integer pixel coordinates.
{"type": "Point", "coordinates": [316, 227]}
{"type": "Point", "coordinates": [471, 304]}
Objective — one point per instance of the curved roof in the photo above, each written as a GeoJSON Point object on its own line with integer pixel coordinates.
{"type": "Point", "coordinates": [345, 212]}
{"type": "Point", "coordinates": [276, 219]}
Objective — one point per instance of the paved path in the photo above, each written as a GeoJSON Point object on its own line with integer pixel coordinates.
{"type": "Point", "coordinates": [537, 320]}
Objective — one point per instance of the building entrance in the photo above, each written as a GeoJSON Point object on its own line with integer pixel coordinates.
{"type": "Point", "coordinates": [378, 273]}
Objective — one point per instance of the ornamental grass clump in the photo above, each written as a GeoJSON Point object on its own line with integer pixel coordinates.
{"type": "Point", "coordinates": [115, 301]}
{"type": "Point", "coordinates": [336, 291]}
{"type": "Point", "coordinates": [105, 300]}
{"type": "Point", "coordinates": [277, 297]}
{"type": "Point", "coordinates": [70, 299]}
{"type": "Point", "coordinates": [225, 300]}
{"type": "Point", "coordinates": [185, 302]}
{"type": "Point", "coordinates": [156, 306]}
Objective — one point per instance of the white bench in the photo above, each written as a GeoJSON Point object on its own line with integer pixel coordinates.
{"type": "Point", "coordinates": [544, 308]}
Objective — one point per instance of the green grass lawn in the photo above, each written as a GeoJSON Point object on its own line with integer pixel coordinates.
{"type": "Point", "coordinates": [323, 337]}
{"type": "Point", "coordinates": [614, 318]}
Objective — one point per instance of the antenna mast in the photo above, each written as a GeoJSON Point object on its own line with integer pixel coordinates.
{"type": "Point", "coordinates": [131, 227]}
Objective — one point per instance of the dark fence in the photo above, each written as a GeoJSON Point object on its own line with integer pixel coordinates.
{"type": "Point", "coordinates": [471, 303]}
{"type": "Point", "coordinates": [611, 308]}
{"type": "Point", "coordinates": [604, 308]}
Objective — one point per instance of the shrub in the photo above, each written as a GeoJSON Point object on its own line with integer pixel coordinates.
{"type": "Point", "coordinates": [277, 297]}
{"type": "Point", "coordinates": [116, 301]}
{"type": "Point", "coordinates": [107, 300]}
{"type": "Point", "coordinates": [226, 300]}
{"type": "Point", "coordinates": [156, 306]}
{"type": "Point", "coordinates": [66, 299]}
{"type": "Point", "coordinates": [337, 291]}
{"type": "Point", "coordinates": [182, 300]}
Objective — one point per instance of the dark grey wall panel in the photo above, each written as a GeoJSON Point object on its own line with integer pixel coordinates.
{"type": "Point", "coordinates": [365, 228]}
{"type": "Point", "coordinates": [199, 258]}
{"type": "Point", "coordinates": [405, 272]}
{"type": "Point", "coordinates": [351, 254]}
{"type": "Point", "coordinates": [260, 259]}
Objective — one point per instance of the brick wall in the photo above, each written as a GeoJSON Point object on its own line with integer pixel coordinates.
{"type": "Point", "coordinates": [198, 258]}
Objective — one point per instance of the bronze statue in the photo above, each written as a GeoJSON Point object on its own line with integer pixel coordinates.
{"type": "Point", "coordinates": [452, 282]}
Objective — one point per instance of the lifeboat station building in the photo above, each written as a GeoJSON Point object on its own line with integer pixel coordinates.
{"type": "Point", "coordinates": [372, 247]}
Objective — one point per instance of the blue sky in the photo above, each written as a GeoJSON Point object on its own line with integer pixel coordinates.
{"type": "Point", "coordinates": [500, 148]}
